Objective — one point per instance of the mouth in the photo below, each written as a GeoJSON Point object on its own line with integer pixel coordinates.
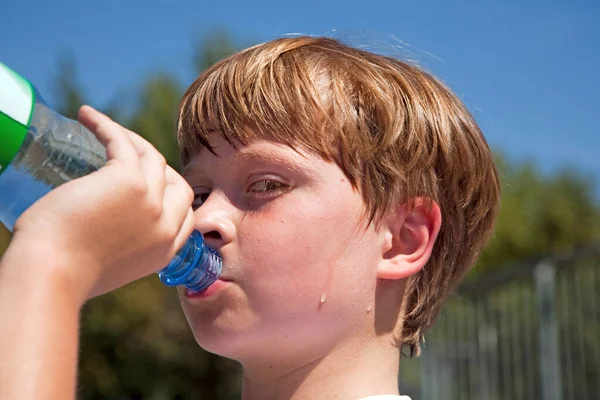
{"type": "Point", "coordinates": [218, 286]}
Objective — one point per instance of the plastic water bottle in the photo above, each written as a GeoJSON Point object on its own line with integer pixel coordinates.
{"type": "Point", "coordinates": [41, 149]}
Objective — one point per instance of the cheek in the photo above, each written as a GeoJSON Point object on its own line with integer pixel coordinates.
{"type": "Point", "coordinates": [302, 251]}
{"type": "Point", "coordinates": [286, 247]}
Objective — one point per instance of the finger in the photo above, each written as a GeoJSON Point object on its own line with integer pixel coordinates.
{"type": "Point", "coordinates": [141, 145]}
{"type": "Point", "coordinates": [153, 165]}
{"type": "Point", "coordinates": [177, 202]}
{"type": "Point", "coordinates": [172, 177]}
{"type": "Point", "coordinates": [112, 135]}
{"type": "Point", "coordinates": [187, 227]}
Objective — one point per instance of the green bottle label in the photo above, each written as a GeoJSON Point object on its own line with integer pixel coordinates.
{"type": "Point", "coordinates": [16, 108]}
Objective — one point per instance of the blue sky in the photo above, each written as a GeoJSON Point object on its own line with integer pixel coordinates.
{"type": "Point", "coordinates": [527, 70]}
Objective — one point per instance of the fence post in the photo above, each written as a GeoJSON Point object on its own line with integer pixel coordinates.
{"type": "Point", "coordinates": [437, 381]}
{"type": "Point", "coordinates": [549, 351]}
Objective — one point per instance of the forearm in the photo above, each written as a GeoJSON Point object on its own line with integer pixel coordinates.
{"type": "Point", "coordinates": [39, 317]}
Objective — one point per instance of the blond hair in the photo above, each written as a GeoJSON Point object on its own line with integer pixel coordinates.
{"type": "Point", "coordinates": [395, 131]}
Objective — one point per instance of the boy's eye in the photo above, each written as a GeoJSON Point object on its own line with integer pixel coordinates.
{"type": "Point", "coordinates": [199, 199]}
{"type": "Point", "coordinates": [261, 189]}
{"type": "Point", "coordinates": [266, 186]}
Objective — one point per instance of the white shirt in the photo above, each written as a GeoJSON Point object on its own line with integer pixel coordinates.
{"type": "Point", "coordinates": [386, 397]}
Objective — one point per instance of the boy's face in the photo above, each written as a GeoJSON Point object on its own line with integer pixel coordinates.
{"type": "Point", "coordinates": [299, 265]}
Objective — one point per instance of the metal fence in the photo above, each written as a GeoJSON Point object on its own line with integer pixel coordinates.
{"type": "Point", "coordinates": [531, 331]}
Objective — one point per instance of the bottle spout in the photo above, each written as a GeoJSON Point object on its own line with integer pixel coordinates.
{"type": "Point", "coordinates": [195, 266]}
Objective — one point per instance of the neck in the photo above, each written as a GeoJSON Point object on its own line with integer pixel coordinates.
{"type": "Point", "coordinates": [352, 370]}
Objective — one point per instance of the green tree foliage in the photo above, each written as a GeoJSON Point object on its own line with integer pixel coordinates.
{"type": "Point", "coordinates": [540, 214]}
{"type": "Point", "coordinates": [67, 86]}
{"type": "Point", "coordinates": [135, 342]}
{"type": "Point", "coordinates": [4, 238]}
{"type": "Point", "coordinates": [156, 115]}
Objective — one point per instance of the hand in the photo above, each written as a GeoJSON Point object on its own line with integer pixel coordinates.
{"type": "Point", "coordinates": [118, 224]}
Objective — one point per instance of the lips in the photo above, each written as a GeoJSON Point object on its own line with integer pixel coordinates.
{"type": "Point", "coordinates": [219, 285]}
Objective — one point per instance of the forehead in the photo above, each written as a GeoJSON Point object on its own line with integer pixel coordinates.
{"type": "Point", "coordinates": [226, 154]}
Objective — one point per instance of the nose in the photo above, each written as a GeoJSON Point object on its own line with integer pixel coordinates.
{"type": "Point", "coordinates": [214, 220]}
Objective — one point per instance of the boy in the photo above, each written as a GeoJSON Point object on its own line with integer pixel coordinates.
{"type": "Point", "coordinates": [320, 173]}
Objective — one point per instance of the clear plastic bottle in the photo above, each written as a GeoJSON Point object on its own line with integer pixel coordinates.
{"type": "Point", "coordinates": [40, 149]}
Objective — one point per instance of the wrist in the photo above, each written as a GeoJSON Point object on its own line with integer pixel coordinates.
{"type": "Point", "coordinates": [43, 269]}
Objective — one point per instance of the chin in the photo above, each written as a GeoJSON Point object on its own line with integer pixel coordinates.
{"type": "Point", "coordinates": [233, 347]}
{"type": "Point", "coordinates": [239, 344]}
{"type": "Point", "coordinates": [222, 339]}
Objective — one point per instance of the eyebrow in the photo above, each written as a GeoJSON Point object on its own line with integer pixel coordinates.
{"type": "Point", "coordinates": [270, 156]}
{"type": "Point", "coordinates": [189, 170]}
{"type": "Point", "coordinates": [254, 156]}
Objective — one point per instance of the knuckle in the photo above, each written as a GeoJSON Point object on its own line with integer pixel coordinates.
{"type": "Point", "coordinates": [167, 234]}
{"type": "Point", "coordinates": [155, 210]}
{"type": "Point", "coordinates": [104, 124]}
{"type": "Point", "coordinates": [138, 185]}
{"type": "Point", "coordinates": [183, 187]}
{"type": "Point", "coordinates": [160, 158]}
{"type": "Point", "coordinates": [109, 127]}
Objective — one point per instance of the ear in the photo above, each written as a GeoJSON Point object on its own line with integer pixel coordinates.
{"type": "Point", "coordinates": [409, 237]}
